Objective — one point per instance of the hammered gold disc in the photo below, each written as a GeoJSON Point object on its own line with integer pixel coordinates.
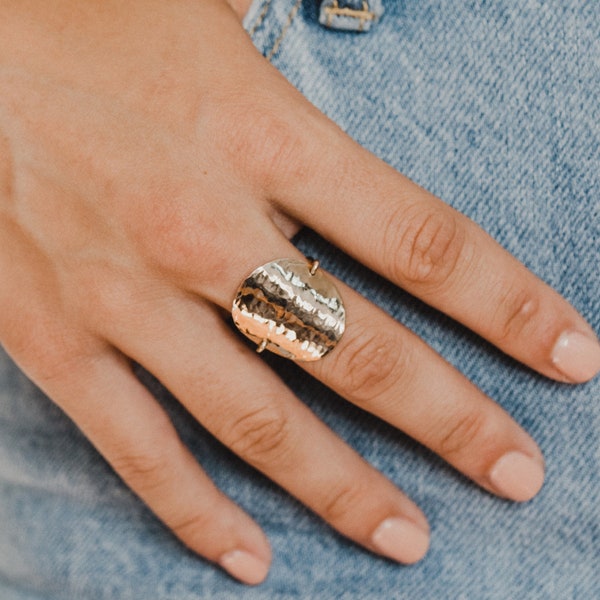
{"type": "Point", "coordinates": [291, 308]}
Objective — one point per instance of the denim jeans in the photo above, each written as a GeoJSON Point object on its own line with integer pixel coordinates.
{"type": "Point", "coordinates": [494, 107]}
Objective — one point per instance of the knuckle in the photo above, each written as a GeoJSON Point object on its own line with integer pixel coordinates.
{"type": "Point", "coordinates": [372, 361]}
{"type": "Point", "coordinates": [48, 351]}
{"type": "Point", "coordinates": [191, 528]}
{"type": "Point", "coordinates": [424, 244]}
{"type": "Point", "coordinates": [462, 433]}
{"type": "Point", "coordinates": [113, 299]}
{"type": "Point", "coordinates": [342, 502]}
{"type": "Point", "coordinates": [35, 348]}
{"type": "Point", "coordinates": [142, 469]}
{"type": "Point", "coordinates": [53, 369]}
{"type": "Point", "coordinates": [262, 436]}
{"type": "Point", "coordinates": [148, 467]}
{"type": "Point", "coordinates": [519, 311]}
{"type": "Point", "coordinates": [266, 147]}
{"type": "Point", "coordinates": [179, 238]}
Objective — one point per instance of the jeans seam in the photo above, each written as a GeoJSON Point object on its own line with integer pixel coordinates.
{"type": "Point", "coordinates": [261, 17]}
{"type": "Point", "coordinates": [284, 30]}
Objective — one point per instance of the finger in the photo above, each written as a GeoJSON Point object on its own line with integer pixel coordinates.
{"type": "Point", "coordinates": [239, 399]}
{"type": "Point", "coordinates": [412, 238]}
{"type": "Point", "coordinates": [386, 369]}
{"type": "Point", "coordinates": [128, 427]}
{"type": "Point", "coordinates": [428, 399]}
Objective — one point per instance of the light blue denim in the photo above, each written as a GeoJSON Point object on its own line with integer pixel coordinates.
{"type": "Point", "coordinates": [493, 106]}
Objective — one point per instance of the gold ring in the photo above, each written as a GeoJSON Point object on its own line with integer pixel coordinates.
{"type": "Point", "coordinates": [291, 308]}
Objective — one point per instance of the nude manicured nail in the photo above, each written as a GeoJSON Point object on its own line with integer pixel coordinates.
{"type": "Point", "coordinates": [577, 356]}
{"type": "Point", "coordinates": [244, 566]}
{"type": "Point", "coordinates": [517, 476]}
{"type": "Point", "coordinates": [401, 540]}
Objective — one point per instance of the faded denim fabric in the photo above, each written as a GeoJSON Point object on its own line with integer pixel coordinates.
{"type": "Point", "coordinates": [493, 106]}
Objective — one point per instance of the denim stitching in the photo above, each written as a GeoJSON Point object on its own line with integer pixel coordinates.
{"type": "Point", "coordinates": [263, 13]}
{"type": "Point", "coordinates": [285, 29]}
{"type": "Point", "coordinates": [365, 14]}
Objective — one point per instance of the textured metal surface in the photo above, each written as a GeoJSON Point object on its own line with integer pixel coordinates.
{"type": "Point", "coordinates": [284, 308]}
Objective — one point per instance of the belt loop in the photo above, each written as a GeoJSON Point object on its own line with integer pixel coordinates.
{"type": "Point", "coordinates": [350, 15]}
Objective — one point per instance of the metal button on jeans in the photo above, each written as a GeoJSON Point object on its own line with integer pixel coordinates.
{"type": "Point", "coordinates": [350, 15]}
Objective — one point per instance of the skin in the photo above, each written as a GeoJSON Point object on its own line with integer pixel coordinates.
{"type": "Point", "coordinates": [150, 159]}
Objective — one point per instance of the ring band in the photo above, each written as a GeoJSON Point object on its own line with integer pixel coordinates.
{"type": "Point", "coordinates": [291, 308]}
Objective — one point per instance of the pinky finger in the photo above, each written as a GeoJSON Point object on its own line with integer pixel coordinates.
{"type": "Point", "coordinates": [130, 429]}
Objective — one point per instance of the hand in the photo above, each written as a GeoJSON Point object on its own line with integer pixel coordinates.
{"type": "Point", "coordinates": [150, 159]}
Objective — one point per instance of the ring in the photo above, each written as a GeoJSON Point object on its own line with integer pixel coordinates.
{"type": "Point", "coordinates": [291, 308]}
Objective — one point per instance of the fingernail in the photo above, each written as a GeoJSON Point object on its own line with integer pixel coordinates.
{"type": "Point", "coordinates": [577, 356]}
{"type": "Point", "coordinates": [517, 476]}
{"type": "Point", "coordinates": [244, 566]}
{"type": "Point", "coordinates": [401, 540]}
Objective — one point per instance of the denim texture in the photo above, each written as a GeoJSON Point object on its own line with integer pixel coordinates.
{"type": "Point", "coordinates": [493, 106]}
